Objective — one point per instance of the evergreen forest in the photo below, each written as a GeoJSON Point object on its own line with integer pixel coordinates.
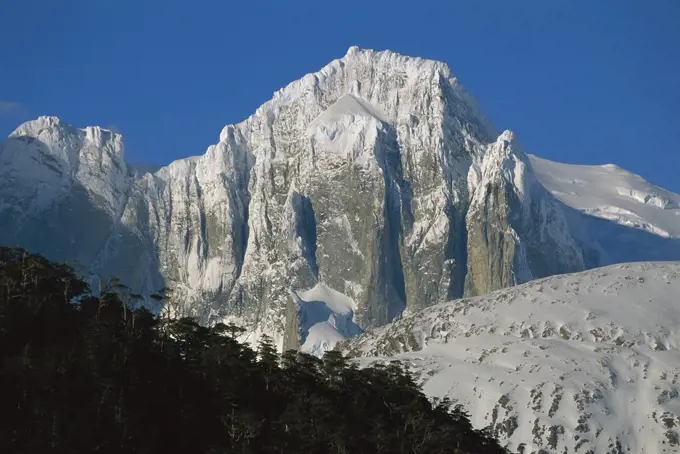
{"type": "Point", "coordinates": [85, 371]}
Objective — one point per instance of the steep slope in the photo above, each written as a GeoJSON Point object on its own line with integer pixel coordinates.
{"type": "Point", "coordinates": [516, 229]}
{"type": "Point", "coordinates": [585, 362]}
{"type": "Point", "coordinates": [376, 177]}
{"type": "Point", "coordinates": [622, 216]}
{"type": "Point", "coordinates": [379, 146]}
{"type": "Point", "coordinates": [612, 193]}
{"type": "Point", "coordinates": [61, 187]}
{"type": "Point", "coordinates": [354, 177]}
{"type": "Point", "coordinates": [191, 217]}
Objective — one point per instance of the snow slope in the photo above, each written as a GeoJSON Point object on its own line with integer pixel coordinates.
{"type": "Point", "coordinates": [347, 105]}
{"type": "Point", "coordinates": [585, 362]}
{"type": "Point", "coordinates": [612, 193]}
{"type": "Point", "coordinates": [326, 317]}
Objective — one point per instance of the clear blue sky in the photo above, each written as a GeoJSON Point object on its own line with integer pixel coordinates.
{"type": "Point", "coordinates": [582, 81]}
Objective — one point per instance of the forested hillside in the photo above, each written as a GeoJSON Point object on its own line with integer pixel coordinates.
{"type": "Point", "coordinates": [87, 373]}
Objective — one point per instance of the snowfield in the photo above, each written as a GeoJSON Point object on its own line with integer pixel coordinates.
{"type": "Point", "coordinates": [578, 363]}
{"type": "Point", "coordinates": [612, 193]}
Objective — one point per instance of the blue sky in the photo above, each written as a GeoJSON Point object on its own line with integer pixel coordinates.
{"type": "Point", "coordinates": [581, 81]}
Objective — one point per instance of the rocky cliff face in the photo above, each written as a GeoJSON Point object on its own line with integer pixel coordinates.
{"type": "Point", "coordinates": [376, 178]}
{"type": "Point", "coordinates": [516, 229]}
{"type": "Point", "coordinates": [52, 178]}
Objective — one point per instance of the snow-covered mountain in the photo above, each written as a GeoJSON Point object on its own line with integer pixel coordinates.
{"type": "Point", "coordinates": [622, 216]}
{"type": "Point", "coordinates": [577, 363]}
{"type": "Point", "coordinates": [370, 189]}
{"type": "Point", "coordinates": [517, 231]}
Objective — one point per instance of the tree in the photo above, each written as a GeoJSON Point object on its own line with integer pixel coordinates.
{"type": "Point", "coordinates": [83, 372]}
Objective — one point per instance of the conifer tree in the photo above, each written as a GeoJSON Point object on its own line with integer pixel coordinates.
{"type": "Point", "coordinates": [95, 372]}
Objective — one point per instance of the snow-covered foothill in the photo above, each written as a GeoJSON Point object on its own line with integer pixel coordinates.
{"type": "Point", "coordinates": [585, 362]}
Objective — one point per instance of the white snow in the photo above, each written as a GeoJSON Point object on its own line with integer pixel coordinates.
{"type": "Point", "coordinates": [326, 317]}
{"type": "Point", "coordinates": [336, 301]}
{"type": "Point", "coordinates": [321, 337]}
{"type": "Point", "coordinates": [348, 105]}
{"type": "Point", "coordinates": [43, 158]}
{"type": "Point", "coordinates": [610, 192]}
{"type": "Point", "coordinates": [503, 161]}
{"type": "Point", "coordinates": [352, 72]}
{"type": "Point", "coordinates": [346, 127]}
{"type": "Point", "coordinates": [565, 364]}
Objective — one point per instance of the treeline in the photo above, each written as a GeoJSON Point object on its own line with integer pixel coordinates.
{"type": "Point", "coordinates": [81, 373]}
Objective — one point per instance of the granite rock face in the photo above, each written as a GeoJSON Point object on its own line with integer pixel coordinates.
{"type": "Point", "coordinates": [376, 177]}
{"type": "Point", "coordinates": [516, 230]}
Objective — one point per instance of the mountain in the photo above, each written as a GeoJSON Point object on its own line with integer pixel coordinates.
{"type": "Point", "coordinates": [516, 228]}
{"type": "Point", "coordinates": [585, 362]}
{"type": "Point", "coordinates": [356, 195]}
{"type": "Point", "coordinates": [622, 216]}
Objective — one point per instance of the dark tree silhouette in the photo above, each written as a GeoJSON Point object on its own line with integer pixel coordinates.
{"type": "Point", "coordinates": [84, 373]}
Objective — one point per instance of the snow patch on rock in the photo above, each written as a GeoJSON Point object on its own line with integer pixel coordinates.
{"type": "Point", "coordinates": [326, 317]}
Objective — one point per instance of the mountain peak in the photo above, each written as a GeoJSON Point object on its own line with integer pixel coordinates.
{"type": "Point", "coordinates": [49, 119]}
{"type": "Point", "coordinates": [353, 50]}
{"type": "Point", "coordinates": [506, 136]}
{"type": "Point", "coordinates": [392, 82]}
{"type": "Point", "coordinates": [33, 127]}
{"type": "Point", "coordinates": [408, 64]}
{"type": "Point", "coordinates": [370, 187]}
{"type": "Point", "coordinates": [52, 130]}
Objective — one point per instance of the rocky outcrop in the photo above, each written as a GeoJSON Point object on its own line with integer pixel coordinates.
{"type": "Point", "coordinates": [61, 189]}
{"type": "Point", "coordinates": [517, 231]}
{"type": "Point", "coordinates": [376, 177]}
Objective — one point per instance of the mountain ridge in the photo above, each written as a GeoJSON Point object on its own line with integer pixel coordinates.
{"type": "Point", "coordinates": [376, 176]}
{"type": "Point", "coordinates": [582, 362]}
